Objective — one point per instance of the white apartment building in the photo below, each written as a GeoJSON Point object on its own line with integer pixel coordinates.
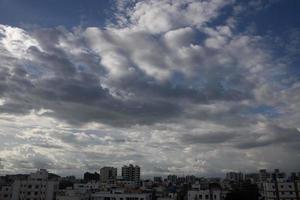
{"type": "Point", "coordinates": [120, 196]}
{"type": "Point", "coordinates": [280, 190]}
{"type": "Point", "coordinates": [35, 187]}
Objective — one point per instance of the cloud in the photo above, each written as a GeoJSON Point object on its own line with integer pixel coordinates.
{"type": "Point", "coordinates": [271, 135]}
{"type": "Point", "coordinates": [207, 138]}
{"type": "Point", "coordinates": [159, 78]}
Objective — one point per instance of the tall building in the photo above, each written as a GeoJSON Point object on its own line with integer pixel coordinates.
{"type": "Point", "coordinates": [36, 186]}
{"type": "Point", "coordinates": [131, 173]}
{"type": "Point", "coordinates": [108, 174]}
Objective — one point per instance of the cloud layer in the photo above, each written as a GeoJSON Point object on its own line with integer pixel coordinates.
{"type": "Point", "coordinates": [171, 85]}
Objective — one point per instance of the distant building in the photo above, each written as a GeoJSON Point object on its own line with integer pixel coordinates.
{"type": "Point", "coordinates": [36, 186]}
{"type": "Point", "coordinates": [172, 178]}
{"type": "Point", "coordinates": [190, 179]}
{"type": "Point", "coordinates": [252, 177]}
{"type": "Point", "coordinates": [131, 173]}
{"type": "Point", "coordinates": [264, 175]}
{"type": "Point", "coordinates": [234, 176]}
{"type": "Point", "coordinates": [108, 174]}
{"type": "Point", "coordinates": [208, 194]}
{"type": "Point", "coordinates": [157, 179]}
{"type": "Point", "coordinates": [87, 177]}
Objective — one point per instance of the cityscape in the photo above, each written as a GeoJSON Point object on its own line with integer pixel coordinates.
{"type": "Point", "coordinates": [107, 184]}
{"type": "Point", "coordinates": [149, 99]}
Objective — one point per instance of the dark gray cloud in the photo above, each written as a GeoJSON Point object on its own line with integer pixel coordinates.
{"type": "Point", "coordinates": [271, 135]}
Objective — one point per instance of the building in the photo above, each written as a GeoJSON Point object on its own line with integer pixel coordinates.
{"type": "Point", "coordinates": [209, 194]}
{"type": "Point", "coordinates": [277, 187]}
{"type": "Point", "coordinates": [87, 177]}
{"type": "Point", "coordinates": [85, 187]}
{"type": "Point", "coordinates": [280, 190]}
{"type": "Point", "coordinates": [37, 186]}
{"type": "Point", "coordinates": [120, 196]}
{"type": "Point", "coordinates": [157, 179]}
{"type": "Point", "coordinates": [190, 179]}
{"type": "Point", "coordinates": [210, 191]}
{"type": "Point", "coordinates": [80, 191]}
{"type": "Point", "coordinates": [108, 174]}
{"type": "Point", "coordinates": [234, 176]}
{"type": "Point", "coordinates": [131, 173]}
{"type": "Point", "coordinates": [71, 194]}
{"type": "Point", "coordinates": [172, 178]}
{"type": "Point", "coordinates": [252, 177]}
{"type": "Point", "coordinates": [6, 192]}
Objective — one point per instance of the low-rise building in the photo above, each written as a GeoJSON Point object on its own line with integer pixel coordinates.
{"type": "Point", "coordinates": [120, 196]}
{"type": "Point", "coordinates": [71, 194]}
{"type": "Point", "coordinates": [214, 194]}
{"type": "Point", "coordinates": [37, 186]}
{"type": "Point", "coordinates": [6, 192]}
{"type": "Point", "coordinates": [280, 190]}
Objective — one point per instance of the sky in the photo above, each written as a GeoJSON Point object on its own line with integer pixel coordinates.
{"type": "Point", "coordinates": [176, 86]}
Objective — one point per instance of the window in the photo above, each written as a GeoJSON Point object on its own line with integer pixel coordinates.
{"type": "Point", "coordinates": [206, 196]}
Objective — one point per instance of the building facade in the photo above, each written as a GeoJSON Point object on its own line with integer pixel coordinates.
{"type": "Point", "coordinates": [280, 190]}
{"type": "Point", "coordinates": [131, 173]}
{"type": "Point", "coordinates": [6, 192]}
{"type": "Point", "coordinates": [120, 196]}
{"type": "Point", "coordinates": [36, 187]}
{"type": "Point", "coordinates": [234, 176]}
{"type": "Point", "coordinates": [204, 195]}
{"type": "Point", "coordinates": [108, 174]}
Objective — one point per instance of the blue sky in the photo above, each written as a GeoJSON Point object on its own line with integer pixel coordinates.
{"type": "Point", "coordinates": [51, 13]}
{"type": "Point", "coordinates": [176, 86]}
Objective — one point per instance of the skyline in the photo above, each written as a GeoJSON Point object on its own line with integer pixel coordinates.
{"type": "Point", "coordinates": [174, 86]}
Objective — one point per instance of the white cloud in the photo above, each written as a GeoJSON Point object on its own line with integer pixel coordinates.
{"type": "Point", "coordinates": [164, 81]}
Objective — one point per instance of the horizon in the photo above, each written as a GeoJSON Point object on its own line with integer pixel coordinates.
{"type": "Point", "coordinates": [174, 86]}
